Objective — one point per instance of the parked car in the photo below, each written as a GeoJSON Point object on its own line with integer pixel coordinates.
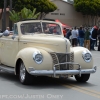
{"type": "Point", "coordinates": [35, 49]}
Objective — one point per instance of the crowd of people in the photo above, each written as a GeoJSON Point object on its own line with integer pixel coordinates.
{"type": "Point", "coordinates": [84, 37]}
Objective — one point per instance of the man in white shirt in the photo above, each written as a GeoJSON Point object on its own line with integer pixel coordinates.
{"type": "Point", "coordinates": [74, 37]}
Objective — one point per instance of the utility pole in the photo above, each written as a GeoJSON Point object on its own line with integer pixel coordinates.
{"type": "Point", "coordinates": [4, 16]}
{"type": "Point", "coordinates": [10, 22]}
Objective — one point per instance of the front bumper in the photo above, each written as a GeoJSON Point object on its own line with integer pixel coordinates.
{"type": "Point", "coordinates": [62, 72]}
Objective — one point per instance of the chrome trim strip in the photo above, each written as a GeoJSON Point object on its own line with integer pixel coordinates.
{"type": "Point", "coordinates": [7, 69]}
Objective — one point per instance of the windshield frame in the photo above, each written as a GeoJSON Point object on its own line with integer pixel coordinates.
{"type": "Point", "coordinates": [41, 25]}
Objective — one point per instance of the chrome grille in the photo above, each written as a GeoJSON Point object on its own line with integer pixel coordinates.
{"type": "Point", "coordinates": [55, 60]}
{"type": "Point", "coordinates": [61, 58]}
{"type": "Point", "coordinates": [71, 60]}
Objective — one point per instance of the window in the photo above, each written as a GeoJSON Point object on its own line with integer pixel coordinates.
{"type": "Point", "coordinates": [40, 28]}
{"type": "Point", "coordinates": [51, 28]}
{"type": "Point", "coordinates": [30, 28]}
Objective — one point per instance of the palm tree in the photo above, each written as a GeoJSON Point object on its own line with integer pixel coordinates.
{"type": "Point", "coordinates": [24, 14]}
{"type": "Point", "coordinates": [28, 14]}
{"type": "Point", "coordinates": [14, 17]}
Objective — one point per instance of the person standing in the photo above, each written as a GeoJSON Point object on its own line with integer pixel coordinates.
{"type": "Point", "coordinates": [93, 37]}
{"type": "Point", "coordinates": [68, 34]}
{"type": "Point", "coordinates": [64, 32]}
{"type": "Point", "coordinates": [99, 39]}
{"type": "Point", "coordinates": [81, 37]}
{"type": "Point", "coordinates": [74, 37]}
{"type": "Point", "coordinates": [87, 39]}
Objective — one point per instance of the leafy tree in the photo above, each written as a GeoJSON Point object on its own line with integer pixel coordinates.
{"type": "Point", "coordinates": [43, 6]}
{"type": "Point", "coordinates": [27, 13]}
{"type": "Point", "coordinates": [88, 7]}
{"type": "Point", "coordinates": [14, 16]}
{"type": "Point", "coordinates": [23, 14]}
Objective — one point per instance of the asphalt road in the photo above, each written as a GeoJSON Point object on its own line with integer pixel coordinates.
{"type": "Point", "coordinates": [45, 88]}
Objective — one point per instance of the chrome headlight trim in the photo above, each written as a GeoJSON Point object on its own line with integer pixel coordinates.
{"type": "Point", "coordinates": [38, 57]}
{"type": "Point", "coordinates": [87, 56]}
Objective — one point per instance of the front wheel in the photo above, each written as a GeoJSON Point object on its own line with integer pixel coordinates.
{"type": "Point", "coordinates": [82, 78]}
{"type": "Point", "coordinates": [24, 76]}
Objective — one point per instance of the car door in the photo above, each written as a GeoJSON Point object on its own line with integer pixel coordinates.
{"type": "Point", "coordinates": [9, 48]}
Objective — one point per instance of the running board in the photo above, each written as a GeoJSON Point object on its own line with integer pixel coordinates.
{"type": "Point", "coordinates": [7, 69]}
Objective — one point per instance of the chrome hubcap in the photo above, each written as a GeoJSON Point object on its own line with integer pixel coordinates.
{"type": "Point", "coordinates": [22, 72]}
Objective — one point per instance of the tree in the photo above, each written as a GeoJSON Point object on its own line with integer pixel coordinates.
{"type": "Point", "coordinates": [14, 17]}
{"type": "Point", "coordinates": [43, 6]}
{"type": "Point", "coordinates": [88, 8]}
{"type": "Point", "coordinates": [23, 14]}
{"type": "Point", "coordinates": [28, 14]}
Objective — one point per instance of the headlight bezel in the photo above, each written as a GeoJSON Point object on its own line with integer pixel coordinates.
{"type": "Point", "coordinates": [36, 57]}
{"type": "Point", "coordinates": [87, 56]}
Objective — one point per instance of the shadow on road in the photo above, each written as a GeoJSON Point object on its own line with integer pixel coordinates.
{"type": "Point", "coordinates": [42, 82]}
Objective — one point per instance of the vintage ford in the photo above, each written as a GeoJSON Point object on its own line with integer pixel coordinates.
{"type": "Point", "coordinates": [38, 48]}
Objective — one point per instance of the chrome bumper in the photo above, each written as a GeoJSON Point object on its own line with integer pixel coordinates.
{"type": "Point", "coordinates": [62, 72]}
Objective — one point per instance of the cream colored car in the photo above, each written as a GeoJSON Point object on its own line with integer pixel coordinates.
{"type": "Point", "coordinates": [38, 48]}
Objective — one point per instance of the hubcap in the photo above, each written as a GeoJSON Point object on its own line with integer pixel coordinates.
{"type": "Point", "coordinates": [22, 72]}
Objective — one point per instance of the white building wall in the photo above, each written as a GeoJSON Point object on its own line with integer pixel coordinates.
{"type": "Point", "coordinates": [69, 15]}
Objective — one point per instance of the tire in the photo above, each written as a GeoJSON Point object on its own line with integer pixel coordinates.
{"type": "Point", "coordinates": [24, 77]}
{"type": "Point", "coordinates": [83, 78]}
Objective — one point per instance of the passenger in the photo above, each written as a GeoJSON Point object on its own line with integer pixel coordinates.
{"type": "Point", "coordinates": [46, 29]}
{"type": "Point", "coordinates": [7, 32]}
{"type": "Point", "coordinates": [54, 30]}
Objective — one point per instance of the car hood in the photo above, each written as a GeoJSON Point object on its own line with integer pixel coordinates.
{"type": "Point", "coordinates": [57, 44]}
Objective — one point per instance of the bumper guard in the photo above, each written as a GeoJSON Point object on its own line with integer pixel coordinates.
{"type": "Point", "coordinates": [62, 72]}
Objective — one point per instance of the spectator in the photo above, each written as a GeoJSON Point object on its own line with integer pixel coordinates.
{"type": "Point", "coordinates": [68, 34]}
{"type": "Point", "coordinates": [64, 31]}
{"type": "Point", "coordinates": [99, 39]}
{"type": "Point", "coordinates": [93, 38]}
{"type": "Point", "coordinates": [81, 37]}
{"type": "Point", "coordinates": [87, 39]}
{"type": "Point", "coordinates": [74, 37]}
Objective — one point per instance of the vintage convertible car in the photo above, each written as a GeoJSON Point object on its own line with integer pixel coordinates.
{"type": "Point", "coordinates": [38, 48]}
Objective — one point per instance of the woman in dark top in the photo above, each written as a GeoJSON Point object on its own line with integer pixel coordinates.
{"type": "Point", "coordinates": [99, 39]}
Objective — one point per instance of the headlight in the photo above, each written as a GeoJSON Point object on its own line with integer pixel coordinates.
{"type": "Point", "coordinates": [86, 56]}
{"type": "Point", "coordinates": [37, 56]}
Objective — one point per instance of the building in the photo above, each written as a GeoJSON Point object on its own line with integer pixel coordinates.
{"type": "Point", "coordinates": [66, 13]}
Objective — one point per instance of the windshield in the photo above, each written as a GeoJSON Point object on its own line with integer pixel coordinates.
{"type": "Point", "coordinates": [40, 28]}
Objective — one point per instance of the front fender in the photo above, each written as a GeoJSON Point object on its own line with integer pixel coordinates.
{"type": "Point", "coordinates": [79, 59]}
{"type": "Point", "coordinates": [26, 55]}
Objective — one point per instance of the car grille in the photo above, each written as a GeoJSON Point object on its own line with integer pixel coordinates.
{"type": "Point", "coordinates": [61, 58]}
